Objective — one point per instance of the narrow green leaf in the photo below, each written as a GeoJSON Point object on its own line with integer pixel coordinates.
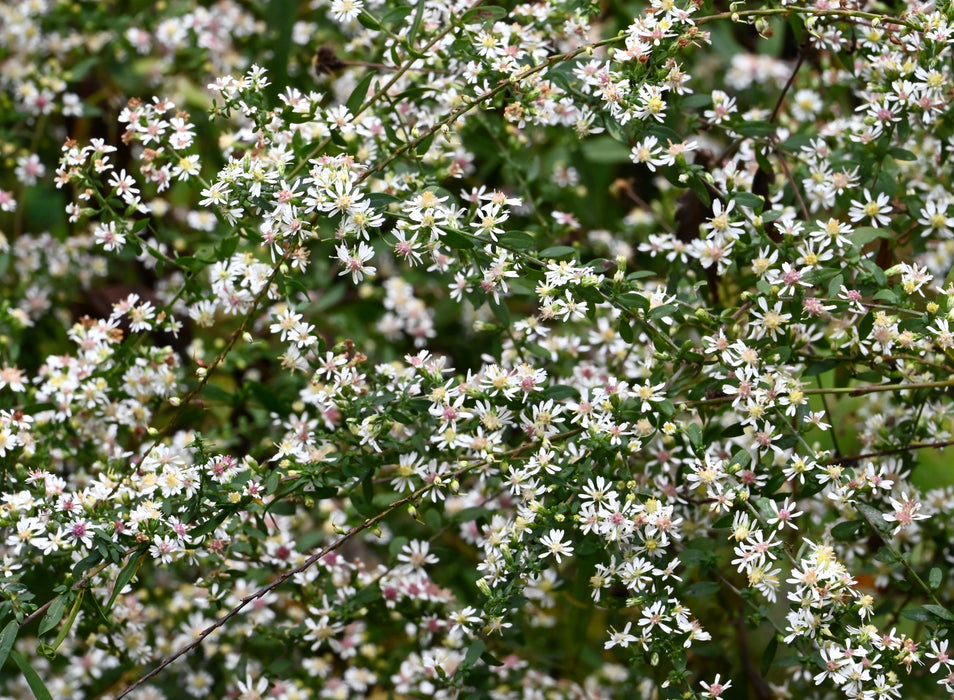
{"type": "Point", "coordinates": [625, 331]}
{"type": "Point", "coordinates": [7, 638]}
{"type": "Point", "coordinates": [865, 234]}
{"type": "Point", "coordinates": [65, 629]}
{"type": "Point", "coordinates": [902, 154]}
{"type": "Point", "coordinates": [484, 15]}
{"type": "Point", "coordinates": [209, 525]}
{"type": "Point", "coordinates": [395, 16]}
{"type": "Point", "coordinates": [473, 653]}
{"type": "Point", "coordinates": [521, 240]}
{"type": "Point", "coordinates": [53, 614]}
{"type": "Point", "coordinates": [874, 516]}
{"type": "Point", "coordinates": [500, 311]}
{"type": "Point", "coordinates": [605, 150]}
{"type": "Point", "coordinates": [768, 656]}
{"type": "Point", "coordinates": [847, 530]}
{"type": "Point", "coordinates": [215, 393]}
{"type": "Point", "coordinates": [557, 252]}
{"type": "Point", "coordinates": [885, 556]}
{"type": "Point", "coordinates": [227, 247]}
{"type": "Point", "coordinates": [695, 434]}
{"type": "Point", "coordinates": [749, 200]}
{"type": "Point", "coordinates": [917, 614]}
{"type": "Point", "coordinates": [755, 129]}
{"type": "Point", "coordinates": [32, 678]}
{"type": "Point", "coordinates": [560, 391]}
{"type": "Point", "coordinates": [633, 300]}
{"type": "Point", "coordinates": [939, 611]}
{"type": "Point", "coordinates": [662, 311]}
{"type": "Point", "coordinates": [490, 659]}
{"type": "Point", "coordinates": [359, 93]}
{"type": "Point", "coordinates": [934, 578]}
{"type": "Point", "coordinates": [742, 458]}
{"type": "Point", "coordinates": [368, 21]}
{"type": "Point", "coordinates": [834, 286]}
{"type": "Point", "coordinates": [457, 241]}
{"type": "Point", "coordinates": [415, 26]}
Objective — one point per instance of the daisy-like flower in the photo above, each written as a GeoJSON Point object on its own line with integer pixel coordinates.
{"type": "Point", "coordinates": [874, 209]}
{"type": "Point", "coordinates": [648, 152]}
{"type": "Point", "coordinates": [622, 638]}
{"type": "Point", "coordinates": [555, 545]}
{"type": "Point", "coordinates": [715, 689]}
{"type": "Point", "coordinates": [784, 514]}
{"type": "Point", "coordinates": [346, 10]}
{"type": "Point", "coordinates": [769, 321]}
{"type": "Point", "coordinates": [353, 261]}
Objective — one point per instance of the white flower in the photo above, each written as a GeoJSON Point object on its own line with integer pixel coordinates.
{"type": "Point", "coordinates": [623, 638]}
{"type": "Point", "coordinates": [555, 545]}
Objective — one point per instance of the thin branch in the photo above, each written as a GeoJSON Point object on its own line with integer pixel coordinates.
{"type": "Point", "coordinates": [268, 588]}
{"type": "Point", "coordinates": [892, 451]}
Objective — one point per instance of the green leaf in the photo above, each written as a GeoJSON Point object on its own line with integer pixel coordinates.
{"type": "Point", "coordinates": [359, 93]}
{"type": "Point", "coordinates": [269, 398]}
{"type": "Point", "coordinates": [741, 457]}
{"type": "Point", "coordinates": [819, 367]}
{"type": "Point", "coordinates": [625, 331]}
{"type": "Point", "coordinates": [559, 391]}
{"type": "Point", "coordinates": [605, 150]}
{"type": "Point", "coordinates": [500, 311]}
{"type": "Point", "coordinates": [415, 28]}
{"type": "Point", "coordinates": [215, 393]}
{"type": "Point", "coordinates": [520, 240]}
{"type": "Point", "coordinates": [885, 556]}
{"type": "Point", "coordinates": [696, 101]}
{"type": "Point", "coordinates": [848, 530]}
{"type": "Point", "coordinates": [7, 638]}
{"type": "Point", "coordinates": [768, 656]}
{"type": "Point", "coordinates": [755, 129]}
{"type": "Point", "coordinates": [874, 516]}
{"type": "Point", "coordinates": [484, 15]}
{"type": "Point", "coordinates": [902, 154]}
{"type": "Point", "coordinates": [698, 187]}
{"type": "Point", "coordinates": [395, 16]}
{"type": "Point", "coordinates": [867, 323]}
{"type": "Point", "coordinates": [557, 252]}
{"type": "Point", "coordinates": [473, 653]}
{"type": "Point", "coordinates": [888, 295]}
{"type": "Point", "coordinates": [865, 234]}
{"type": "Point", "coordinates": [749, 200]}
{"type": "Point", "coordinates": [424, 145]}
{"type": "Point", "coordinates": [695, 434]}
{"type": "Point", "coordinates": [53, 614]}
{"type": "Point", "coordinates": [227, 247]}
{"type": "Point", "coordinates": [457, 241]}
{"type": "Point", "coordinates": [633, 300]}
{"type": "Point", "coordinates": [939, 612]}
{"type": "Point", "coordinates": [490, 659]}
{"type": "Point", "coordinates": [834, 286]}
{"type": "Point", "coordinates": [662, 311]}
{"type": "Point", "coordinates": [209, 525]}
{"type": "Point", "coordinates": [368, 21]}
{"type": "Point", "coordinates": [934, 578]}
{"type": "Point", "coordinates": [468, 514]}
{"type": "Point", "coordinates": [917, 614]}
{"type": "Point", "coordinates": [32, 678]}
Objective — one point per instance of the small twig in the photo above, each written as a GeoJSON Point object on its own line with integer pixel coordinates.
{"type": "Point", "coordinates": [268, 588]}
{"type": "Point", "coordinates": [892, 451]}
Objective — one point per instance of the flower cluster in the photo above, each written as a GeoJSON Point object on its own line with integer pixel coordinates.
{"type": "Point", "coordinates": [447, 349]}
